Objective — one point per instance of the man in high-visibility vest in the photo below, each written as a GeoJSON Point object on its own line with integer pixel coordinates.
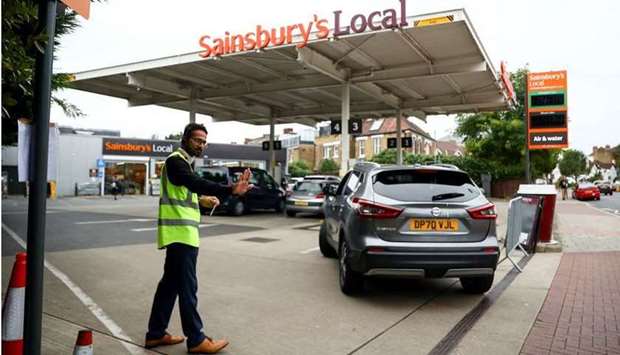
{"type": "Point", "coordinates": [177, 232]}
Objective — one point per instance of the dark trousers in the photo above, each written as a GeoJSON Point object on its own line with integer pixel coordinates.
{"type": "Point", "coordinates": [179, 279]}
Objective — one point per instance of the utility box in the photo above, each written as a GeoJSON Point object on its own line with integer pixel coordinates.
{"type": "Point", "coordinates": [548, 195]}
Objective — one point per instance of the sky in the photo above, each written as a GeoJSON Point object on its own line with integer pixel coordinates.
{"type": "Point", "coordinates": [578, 36]}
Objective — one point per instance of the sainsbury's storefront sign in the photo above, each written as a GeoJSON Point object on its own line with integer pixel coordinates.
{"type": "Point", "coordinates": [314, 29]}
{"type": "Point", "coordinates": [138, 147]}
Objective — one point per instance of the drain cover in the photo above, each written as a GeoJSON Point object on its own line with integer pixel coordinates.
{"type": "Point", "coordinates": [260, 240]}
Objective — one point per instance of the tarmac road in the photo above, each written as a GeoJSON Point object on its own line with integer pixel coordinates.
{"type": "Point", "coordinates": [608, 203]}
{"type": "Point", "coordinates": [262, 284]}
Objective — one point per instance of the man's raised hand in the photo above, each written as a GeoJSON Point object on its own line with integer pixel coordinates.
{"type": "Point", "coordinates": [243, 185]}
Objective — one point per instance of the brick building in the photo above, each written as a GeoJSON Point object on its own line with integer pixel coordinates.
{"type": "Point", "coordinates": [372, 140]}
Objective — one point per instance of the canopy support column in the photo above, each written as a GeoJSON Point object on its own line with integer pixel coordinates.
{"type": "Point", "coordinates": [272, 152]}
{"type": "Point", "coordinates": [344, 124]}
{"type": "Point", "coordinates": [192, 111]}
{"type": "Point", "coordinates": [399, 143]}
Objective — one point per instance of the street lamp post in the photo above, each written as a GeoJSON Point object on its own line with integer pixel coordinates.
{"type": "Point", "coordinates": [38, 190]}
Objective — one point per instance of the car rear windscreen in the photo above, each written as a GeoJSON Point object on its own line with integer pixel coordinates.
{"type": "Point", "coordinates": [214, 174]}
{"type": "Point", "coordinates": [425, 185]}
{"type": "Point", "coordinates": [313, 187]}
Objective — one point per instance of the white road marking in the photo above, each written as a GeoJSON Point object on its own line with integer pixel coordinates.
{"type": "Point", "coordinates": [611, 210]}
{"type": "Point", "coordinates": [308, 251]}
{"type": "Point", "coordinates": [114, 328]}
{"type": "Point", "coordinates": [155, 228]}
{"type": "Point", "coordinates": [118, 221]}
{"type": "Point", "coordinates": [606, 210]}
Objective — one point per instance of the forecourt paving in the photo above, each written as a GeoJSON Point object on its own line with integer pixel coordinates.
{"type": "Point", "coordinates": [273, 295]}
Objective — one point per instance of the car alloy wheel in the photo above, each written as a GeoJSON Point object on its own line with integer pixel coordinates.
{"type": "Point", "coordinates": [280, 206]}
{"type": "Point", "coordinates": [351, 282]}
{"type": "Point", "coordinates": [239, 208]}
{"type": "Point", "coordinates": [344, 268]}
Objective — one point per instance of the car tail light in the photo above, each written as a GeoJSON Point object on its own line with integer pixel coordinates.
{"type": "Point", "coordinates": [483, 212]}
{"type": "Point", "coordinates": [490, 250]}
{"type": "Point", "coordinates": [370, 209]}
{"type": "Point", "coordinates": [320, 195]}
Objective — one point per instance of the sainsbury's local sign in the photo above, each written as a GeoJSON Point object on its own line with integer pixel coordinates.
{"type": "Point", "coordinates": [316, 28]}
{"type": "Point", "coordinates": [138, 147]}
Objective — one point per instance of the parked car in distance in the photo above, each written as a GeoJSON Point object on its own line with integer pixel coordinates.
{"type": "Point", "coordinates": [307, 196]}
{"type": "Point", "coordinates": [266, 193]}
{"type": "Point", "coordinates": [605, 187]}
{"type": "Point", "coordinates": [410, 221]}
{"type": "Point", "coordinates": [289, 182]}
{"type": "Point", "coordinates": [586, 191]}
{"type": "Point", "coordinates": [322, 177]}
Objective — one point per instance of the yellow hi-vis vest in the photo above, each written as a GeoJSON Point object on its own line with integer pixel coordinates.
{"type": "Point", "coordinates": [179, 215]}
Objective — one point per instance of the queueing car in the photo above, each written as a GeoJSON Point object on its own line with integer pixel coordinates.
{"type": "Point", "coordinates": [265, 194]}
{"type": "Point", "coordinates": [410, 221]}
{"type": "Point", "coordinates": [322, 177]}
{"type": "Point", "coordinates": [586, 191]}
{"type": "Point", "coordinates": [605, 187]}
{"type": "Point", "coordinates": [307, 196]}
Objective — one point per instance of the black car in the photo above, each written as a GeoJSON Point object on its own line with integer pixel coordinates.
{"type": "Point", "coordinates": [266, 193]}
{"type": "Point", "coordinates": [605, 187]}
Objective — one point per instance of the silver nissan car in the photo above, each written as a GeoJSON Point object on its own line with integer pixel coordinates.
{"type": "Point", "coordinates": [428, 221]}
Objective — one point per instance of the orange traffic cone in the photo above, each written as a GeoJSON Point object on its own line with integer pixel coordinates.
{"type": "Point", "coordinates": [84, 343]}
{"type": "Point", "coordinates": [13, 309]}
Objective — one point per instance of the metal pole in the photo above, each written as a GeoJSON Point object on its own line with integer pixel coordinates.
{"type": "Point", "coordinates": [38, 191]}
{"type": "Point", "coordinates": [526, 124]}
{"type": "Point", "coordinates": [272, 152]}
{"type": "Point", "coordinates": [344, 127]}
{"type": "Point", "coordinates": [399, 144]}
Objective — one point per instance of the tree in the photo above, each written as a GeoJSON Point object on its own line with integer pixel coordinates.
{"type": "Point", "coordinates": [544, 161]}
{"type": "Point", "coordinates": [298, 168]}
{"type": "Point", "coordinates": [498, 138]}
{"type": "Point", "coordinates": [22, 37]}
{"type": "Point", "coordinates": [573, 163]}
{"type": "Point", "coordinates": [616, 153]}
{"type": "Point", "coordinates": [387, 156]}
{"type": "Point", "coordinates": [174, 136]}
{"type": "Point", "coordinates": [329, 167]}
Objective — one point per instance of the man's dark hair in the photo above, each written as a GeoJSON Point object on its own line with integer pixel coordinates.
{"type": "Point", "coordinates": [187, 132]}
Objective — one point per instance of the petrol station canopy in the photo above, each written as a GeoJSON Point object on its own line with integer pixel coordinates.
{"type": "Point", "coordinates": [435, 64]}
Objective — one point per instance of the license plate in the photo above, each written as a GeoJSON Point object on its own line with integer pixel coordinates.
{"type": "Point", "coordinates": [301, 203]}
{"type": "Point", "coordinates": [434, 225]}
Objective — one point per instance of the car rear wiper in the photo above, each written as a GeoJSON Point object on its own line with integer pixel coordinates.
{"type": "Point", "coordinates": [447, 196]}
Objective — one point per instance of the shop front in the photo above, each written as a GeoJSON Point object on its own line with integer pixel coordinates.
{"type": "Point", "coordinates": [133, 165]}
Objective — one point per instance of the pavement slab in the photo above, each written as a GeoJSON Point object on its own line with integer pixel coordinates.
{"type": "Point", "coordinates": [581, 313]}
